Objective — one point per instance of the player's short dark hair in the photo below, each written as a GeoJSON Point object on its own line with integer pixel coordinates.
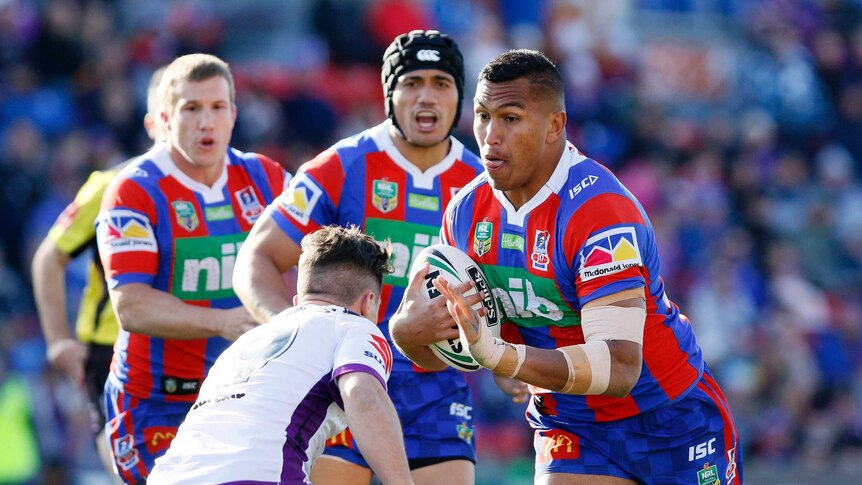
{"type": "Point", "coordinates": [341, 263]}
{"type": "Point", "coordinates": [525, 63]}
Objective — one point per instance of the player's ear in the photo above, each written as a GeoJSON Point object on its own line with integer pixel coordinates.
{"type": "Point", "coordinates": [368, 305]}
{"type": "Point", "coordinates": [556, 127]}
{"type": "Point", "coordinates": [295, 300]}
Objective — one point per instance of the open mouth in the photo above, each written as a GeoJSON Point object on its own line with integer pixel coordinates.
{"type": "Point", "coordinates": [493, 162]}
{"type": "Point", "coordinates": [426, 120]}
{"type": "Point", "coordinates": [207, 142]}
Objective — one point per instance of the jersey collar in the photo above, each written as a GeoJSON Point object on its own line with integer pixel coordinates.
{"type": "Point", "coordinates": [421, 180]}
{"type": "Point", "coordinates": [571, 157]}
{"type": "Point", "coordinates": [162, 159]}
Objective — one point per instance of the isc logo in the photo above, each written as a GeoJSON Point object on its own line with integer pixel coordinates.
{"type": "Point", "coordinates": [460, 410]}
{"type": "Point", "coordinates": [428, 55]}
{"type": "Point", "coordinates": [586, 182]}
{"type": "Point", "coordinates": [701, 450]}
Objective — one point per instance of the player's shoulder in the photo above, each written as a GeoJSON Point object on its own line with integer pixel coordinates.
{"type": "Point", "coordinates": [585, 179]}
{"type": "Point", "coordinates": [237, 157]}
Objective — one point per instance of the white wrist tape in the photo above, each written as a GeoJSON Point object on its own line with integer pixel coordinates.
{"type": "Point", "coordinates": [487, 350]}
{"type": "Point", "coordinates": [611, 322]}
{"type": "Point", "coordinates": [599, 355]}
{"type": "Point", "coordinates": [570, 382]}
{"type": "Point", "coordinates": [521, 351]}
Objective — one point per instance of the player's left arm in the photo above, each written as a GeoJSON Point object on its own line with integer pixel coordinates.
{"type": "Point", "coordinates": [375, 426]}
{"type": "Point", "coordinates": [609, 363]}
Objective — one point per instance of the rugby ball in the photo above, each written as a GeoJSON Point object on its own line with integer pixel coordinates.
{"type": "Point", "coordinates": [456, 267]}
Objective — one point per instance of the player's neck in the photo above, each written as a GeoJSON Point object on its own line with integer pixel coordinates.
{"type": "Point", "coordinates": [206, 174]}
{"type": "Point", "coordinates": [318, 300]}
{"type": "Point", "coordinates": [421, 156]}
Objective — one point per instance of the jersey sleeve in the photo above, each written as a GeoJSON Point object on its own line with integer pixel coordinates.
{"type": "Point", "coordinates": [611, 236]}
{"type": "Point", "coordinates": [125, 234]}
{"type": "Point", "coordinates": [311, 198]}
{"type": "Point", "coordinates": [74, 229]}
{"type": "Point", "coordinates": [363, 349]}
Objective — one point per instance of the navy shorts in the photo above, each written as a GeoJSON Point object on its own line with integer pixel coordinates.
{"type": "Point", "coordinates": [436, 413]}
{"type": "Point", "coordinates": [692, 441]}
{"type": "Point", "coordinates": [139, 430]}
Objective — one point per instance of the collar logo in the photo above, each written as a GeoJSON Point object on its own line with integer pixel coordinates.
{"type": "Point", "coordinates": [428, 55]}
{"type": "Point", "coordinates": [187, 217]}
{"type": "Point", "coordinates": [384, 195]}
{"type": "Point", "coordinates": [540, 250]}
{"type": "Point", "coordinates": [249, 203]}
{"type": "Point", "coordinates": [482, 238]}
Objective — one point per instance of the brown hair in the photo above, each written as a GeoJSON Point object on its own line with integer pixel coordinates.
{"type": "Point", "coordinates": [193, 67]}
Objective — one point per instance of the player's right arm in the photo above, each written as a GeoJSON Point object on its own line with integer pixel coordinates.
{"type": "Point", "coordinates": [129, 251]}
{"type": "Point", "coordinates": [265, 255]}
{"type": "Point", "coordinates": [140, 308]}
{"type": "Point", "coordinates": [64, 351]}
{"type": "Point", "coordinates": [375, 426]}
{"type": "Point", "coordinates": [71, 233]}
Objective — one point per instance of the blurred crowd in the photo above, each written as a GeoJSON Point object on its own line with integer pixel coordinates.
{"type": "Point", "coordinates": [738, 125]}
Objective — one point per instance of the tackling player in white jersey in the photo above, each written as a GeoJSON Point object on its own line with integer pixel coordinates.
{"type": "Point", "coordinates": [273, 397]}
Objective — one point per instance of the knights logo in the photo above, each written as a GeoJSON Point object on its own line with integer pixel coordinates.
{"type": "Point", "coordinates": [384, 195]}
{"type": "Point", "coordinates": [187, 218]}
{"type": "Point", "coordinates": [482, 238]}
{"type": "Point", "coordinates": [540, 251]}
{"type": "Point", "coordinates": [170, 385]}
{"type": "Point", "coordinates": [249, 204]}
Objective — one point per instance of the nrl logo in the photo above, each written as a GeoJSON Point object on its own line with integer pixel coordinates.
{"type": "Point", "coordinates": [187, 218]}
{"type": "Point", "coordinates": [384, 195]}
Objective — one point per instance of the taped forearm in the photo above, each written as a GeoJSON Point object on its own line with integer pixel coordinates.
{"type": "Point", "coordinates": [589, 364]}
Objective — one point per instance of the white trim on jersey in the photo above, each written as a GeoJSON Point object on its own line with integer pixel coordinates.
{"type": "Point", "coordinates": [571, 157]}
{"type": "Point", "coordinates": [421, 180]}
{"type": "Point", "coordinates": [213, 194]}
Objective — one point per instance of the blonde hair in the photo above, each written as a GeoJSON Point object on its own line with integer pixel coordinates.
{"type": "Point", "coordinates": [193, 67]}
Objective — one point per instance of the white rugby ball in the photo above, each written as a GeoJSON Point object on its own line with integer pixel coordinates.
{"type": "Point", "coordinates": [456, 267]}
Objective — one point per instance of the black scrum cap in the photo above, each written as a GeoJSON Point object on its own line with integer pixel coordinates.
{"type": "Point", "coordinates": [421, 49]}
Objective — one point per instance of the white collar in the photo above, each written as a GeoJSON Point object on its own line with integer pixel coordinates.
{"type": "Point", "coordinates": [421, 180]}
{"type": "Point", "coordinates": [211, 194]}
{"type": "Point", "coordinates": [571, 157]}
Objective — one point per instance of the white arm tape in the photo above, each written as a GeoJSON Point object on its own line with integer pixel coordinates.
{"type": "Point", "coordinates": [610, 322]}
{"type": "Point", "coordinates": [599, 355]}
{"type": "Point", "coordinates": [521, 352]}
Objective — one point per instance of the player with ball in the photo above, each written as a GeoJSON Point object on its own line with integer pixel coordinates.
{"type": "Point", "coordinates": [620, 391]}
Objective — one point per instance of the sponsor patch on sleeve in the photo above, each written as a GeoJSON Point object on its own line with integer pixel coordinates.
{"type": "Point", "coordinates": [122, 230]}
{"type": "Point", "coordinates": [300, 198]}
{"type": "Point", "coordinates": [609, 252]}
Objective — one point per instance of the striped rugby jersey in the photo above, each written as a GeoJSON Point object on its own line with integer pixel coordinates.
{"type": "Point", "coordinates": [161, 228]}
{"type": "Point", "coordinates": [364, 180]}
{"type": "Point", "coordinates": [74, 233]}
{"type": "Point", "coordinates": [581, 237]}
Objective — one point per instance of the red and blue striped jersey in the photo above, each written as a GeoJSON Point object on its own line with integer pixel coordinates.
{"type": "Point", "coordinates": [581, 237]}
{"type": "Point", "coordinates": [161, 228]}
{"type": "Point", "coordinates": [364, 180]}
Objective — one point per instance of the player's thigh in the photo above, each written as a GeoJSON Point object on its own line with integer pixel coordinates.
{"type": "Point", "coordinates": [573, 479]}
{"type": "Point", "coordinates": [452, 472]}
{"type": "Point", "coordinates": [330, 470]}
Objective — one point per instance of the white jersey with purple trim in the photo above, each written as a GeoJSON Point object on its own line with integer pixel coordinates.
{"type": "Point", "coordinates": [271, 399]}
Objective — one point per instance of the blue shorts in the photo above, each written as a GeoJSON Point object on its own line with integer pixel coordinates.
{"type": "Point", "coordinates": [139, 430]}
{"type": "Point", "coordinates": [436, 413]}
{"type": "Point", "coordinates": [692, 441]}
